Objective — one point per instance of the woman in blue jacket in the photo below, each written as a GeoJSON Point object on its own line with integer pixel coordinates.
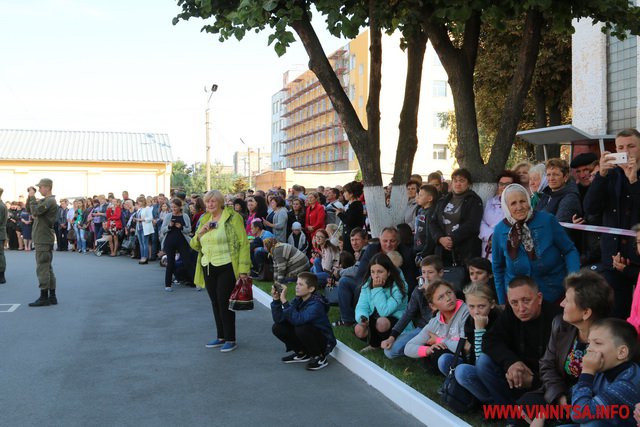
{"type": "Point", "coordinates": [303, 324]}
{"type": "Point", "coordinates": [534, 244]}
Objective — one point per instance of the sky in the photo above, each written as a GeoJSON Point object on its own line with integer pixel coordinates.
{"type": "Point", "coordinates": [120, 65]}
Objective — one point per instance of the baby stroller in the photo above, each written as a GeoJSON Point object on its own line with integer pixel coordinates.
{"type": "Point", "coordinates": [102, 245]}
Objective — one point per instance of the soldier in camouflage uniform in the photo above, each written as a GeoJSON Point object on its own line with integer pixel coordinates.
{"type": "Point", "coordinates": [3, 237]}
{"type": "Point", "coordinates": [44, 212]}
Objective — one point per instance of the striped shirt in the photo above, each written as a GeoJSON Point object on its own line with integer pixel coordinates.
{"type": "Point", "coordinates": [288, 262]}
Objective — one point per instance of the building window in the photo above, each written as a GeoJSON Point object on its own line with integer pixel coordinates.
{"type": "Point", "coordinates": [360, 101]}
{"type": "Point", "coordinates": [439, 120]}
{"type": "Point", "coordinates": [361, 69]}
{"type": "Point", "coordinates": [439, 152]}
{"type": "Point", "coordinates": [439, 88]}
{"type": "Point", "coordinates": [622, 74]}
{"type": "Point", "coordinates": [352, 64]}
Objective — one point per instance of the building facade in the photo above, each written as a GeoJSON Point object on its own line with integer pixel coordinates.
{"type": "Point", "coordinates": [278, 135]}
{"type": "Point", "coordinates": [315, 139]}
{"type": "Point", "coordinates": [84, 163]}
{"type": "Point", "coordinates": [605, 80]}
{"type": "Point", "coordinates": [251, 162]}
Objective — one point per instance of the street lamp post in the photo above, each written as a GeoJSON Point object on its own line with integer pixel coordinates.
{"type": "Point", "coordinates": [214, 88]}
{"type": "Point", "coordinates": [248, 162]}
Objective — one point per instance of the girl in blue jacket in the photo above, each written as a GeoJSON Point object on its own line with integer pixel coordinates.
{"type": "Point", "coordinates": [383, 300]}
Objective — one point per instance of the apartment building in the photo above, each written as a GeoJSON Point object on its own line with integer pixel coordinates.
{"type": "Point", "coordinates": [308, 135]}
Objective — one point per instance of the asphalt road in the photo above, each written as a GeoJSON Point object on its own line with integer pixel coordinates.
{"type": "Point", "coordinates": [120, 351]}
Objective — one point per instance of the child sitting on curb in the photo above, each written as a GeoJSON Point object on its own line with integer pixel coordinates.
{"type": "Point", "coordinates": [481, 302]}
{"type": "Point", "coordinates": [303, 325]}
{"type": "Point", "coordinates": [442, 333]}
{"type": "Point", "coordinates": [382, 302]}
{"type": "Point", "coordinates": [418, 310]}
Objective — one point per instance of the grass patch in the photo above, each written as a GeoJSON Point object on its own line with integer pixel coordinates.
{"type": "Point", "coordinates": [405, 369]}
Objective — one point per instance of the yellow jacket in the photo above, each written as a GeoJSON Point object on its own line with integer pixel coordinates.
{"type": "Point", "coordinates": [238, 244]}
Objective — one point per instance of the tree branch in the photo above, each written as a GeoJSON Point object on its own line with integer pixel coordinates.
{"type": "Point", "coordinates": [408, 135]}
{"type": "Point", "coordinates": [520, 84]}
{"type": "Point", "coordinates": [358, 135]}
{"type": "Point", "coordinates": [471, 39]}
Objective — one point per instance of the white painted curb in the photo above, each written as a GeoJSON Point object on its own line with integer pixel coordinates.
{"type": "Point", "coordinates": [415, 403]}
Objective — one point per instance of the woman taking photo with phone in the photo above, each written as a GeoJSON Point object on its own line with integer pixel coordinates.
{"type": "Point", "coordinates": [174, 234]}
{"type": "Point", "coordinates": [223, 257]}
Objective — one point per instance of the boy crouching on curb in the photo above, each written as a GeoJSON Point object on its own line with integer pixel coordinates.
{"type": "Point", "coordinates": [303, 324]}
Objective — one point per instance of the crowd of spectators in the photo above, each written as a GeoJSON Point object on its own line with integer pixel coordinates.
{"type": "Point", "coordinates": [543, 309]}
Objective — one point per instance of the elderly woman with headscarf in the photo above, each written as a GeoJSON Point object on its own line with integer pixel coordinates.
{"type": "Point", "coordinates": [537, 183]}
{"type": "Point", "coordinates": [531, 243]}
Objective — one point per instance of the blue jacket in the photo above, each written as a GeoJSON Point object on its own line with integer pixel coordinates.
{"type": "Point", "coordinates": [619, 386]}
{"type": "Point", "coordinates": [313, 311]}
{"type": "Point", "coordinates": [556, 256]}
{"type": "Point", "coordinates": [387, 301]}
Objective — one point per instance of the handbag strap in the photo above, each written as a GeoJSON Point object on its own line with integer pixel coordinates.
{"type": "Point", "coordinates": [457, 356]}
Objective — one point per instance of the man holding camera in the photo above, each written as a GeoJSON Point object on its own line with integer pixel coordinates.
{"type": "Point", "coordinates": [44, 212]}
{"type": "Point", "coordinates": [615, 194]}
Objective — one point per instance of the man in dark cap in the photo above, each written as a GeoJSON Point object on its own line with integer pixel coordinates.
{"type": "Point", "coordinates": [583, 165]}
{"type": "Point", "coordinates": [44, 212]}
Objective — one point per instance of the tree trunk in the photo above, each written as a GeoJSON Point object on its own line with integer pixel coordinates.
{"type": "Point", "coordinates": [373, 103]}
{"type": "Point", "coordinates": [540, 101]}
{"type": "Point", "coordinates": [379, 215]}
{"type": "Point", "coordinates": [358, 136]}
{"type": "Point", "coordinates": [459, 64]}
{"type": "Point", "coordinates": [520, 84]}
{"type": "Point", "coordinates": [408, 135]}
{"type": "Point", "coordinates": [555, 119]}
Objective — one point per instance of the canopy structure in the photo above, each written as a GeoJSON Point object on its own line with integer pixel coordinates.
{"type": "Point", "coordinates": [564, 134]}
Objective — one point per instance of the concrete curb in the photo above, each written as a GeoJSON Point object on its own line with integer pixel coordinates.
{"type": "Point", "coordinates": [413, 402]}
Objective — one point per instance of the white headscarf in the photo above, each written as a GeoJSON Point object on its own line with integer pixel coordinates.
{"type": "Point", "coordinates": [541, 170]}
{"type": "Point", "coordinates": [514, 188]}
{"type": "Point", "coordinates": [519, 234]}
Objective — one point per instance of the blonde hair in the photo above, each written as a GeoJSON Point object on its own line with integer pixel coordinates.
{"type": "Point", "coordinates": [331, 228]}
{"type": "Point", "coordinates": [142, 200]}
{"type": "Point", "coordinates": [395, 258]}
{"type": "Point", "coordinates": [269, 243]}
{"type": "Point", "coordinates": [521, 164]}
{"type": "Point", "coordinates": [214, 194]}
{"type": "Point", "coordinates": [480, 290]}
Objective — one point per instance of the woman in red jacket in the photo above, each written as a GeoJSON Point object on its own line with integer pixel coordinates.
{"type": "Point", "coordinates": [315, 215]}
{"type": "Point", "coordinates": [113, 225]}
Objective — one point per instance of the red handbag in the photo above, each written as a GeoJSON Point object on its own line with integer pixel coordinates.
{"type": "Point", "coordinates": [241, 298]}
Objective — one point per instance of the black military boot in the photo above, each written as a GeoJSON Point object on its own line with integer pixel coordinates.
{"type": "Point", "coordinates": [2, 279]}
{"type": "Point", "coordinates": [42, 301]}
{"type": "Point", "coordinates": [52, 297]}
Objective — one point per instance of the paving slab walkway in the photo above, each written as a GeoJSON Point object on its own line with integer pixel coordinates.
{"type": "Point", "coordinates": [120, 351]}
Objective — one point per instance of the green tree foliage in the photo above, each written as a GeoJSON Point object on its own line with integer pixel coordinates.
{"type": "Point", "coordinates": [549, 100]}
{"type": "Point", "coordinates": [455, 29]}
{"type": "Point", "coordinates": [192, 178]}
